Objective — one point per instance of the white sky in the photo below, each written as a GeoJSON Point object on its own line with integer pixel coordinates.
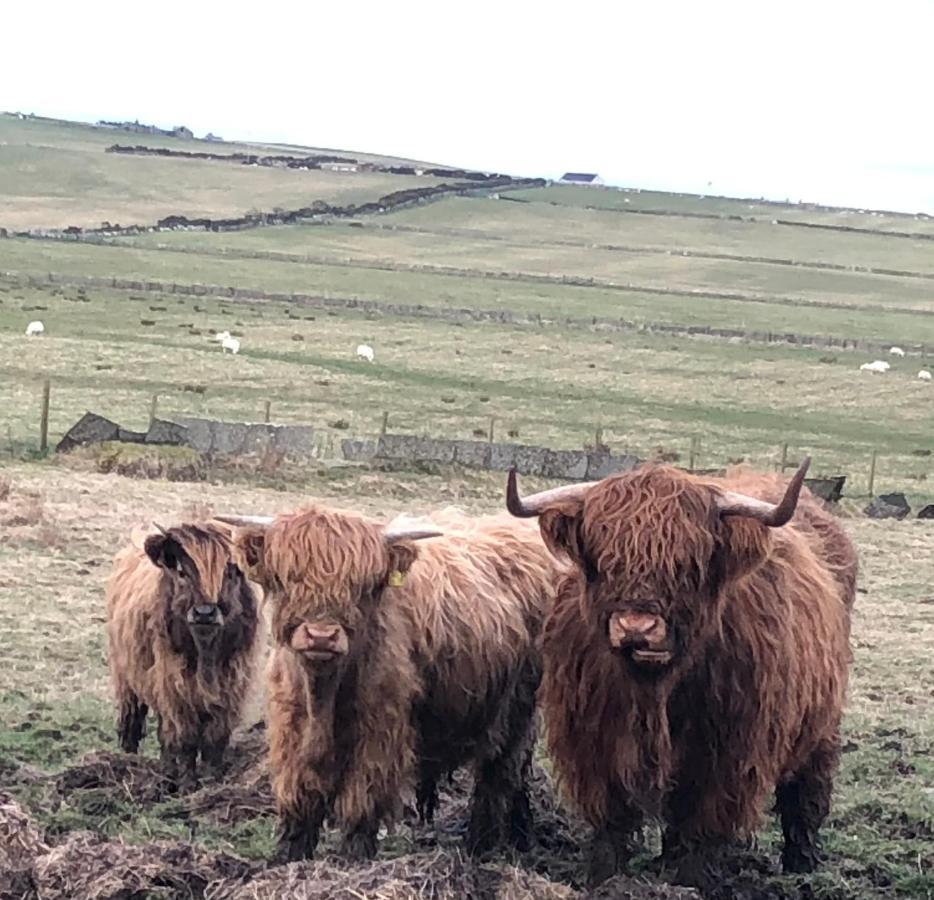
{"type": "Point", "coordinates": [807, 99]}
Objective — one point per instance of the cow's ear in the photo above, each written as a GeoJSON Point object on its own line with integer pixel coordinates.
{"type": "Point", "coordinates": [561, 531]}
{"type": "Point", "coordinates": [164, 551]}
{"type": "Point", "coordinates": [249, 544]}
{"type": "Point", "coordinates": [748, 542]}
{"type": "Point", "coordinates": [401, 556]}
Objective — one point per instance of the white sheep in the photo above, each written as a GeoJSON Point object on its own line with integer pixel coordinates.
{"type": "Point", "coordinates": [878, 365]}
{"type": "Point", "coordinates": [231, 344]}
{"type": "Point", "coordinates": [33, 329]}
{"type": "Point", "coordinates": [365, 351]}
{"type": "Point", "coordinates": [896, 351]}
{"type": "Point", "coordinates": [221, 336]}
{"type": "Point", "coordinates": [924, 375]}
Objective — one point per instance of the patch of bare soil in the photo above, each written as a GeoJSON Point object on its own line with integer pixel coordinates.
{"type": "Point", "coordinates": [244, 793]}
{"type": "Point", "coordinates": [81, 865]}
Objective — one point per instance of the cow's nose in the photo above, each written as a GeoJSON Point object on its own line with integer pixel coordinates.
{"type": "Point", "coordinates": [206, 614]}
{"type": "Point", "coordinates": [324, 635]}
{"type": "Point", "coordinates": [628, 628]}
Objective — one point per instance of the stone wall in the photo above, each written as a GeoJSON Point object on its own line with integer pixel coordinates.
{"type": "Point", "coordinates": [569, 465]}
{"type": "Point", "coordinates": [219, 439]}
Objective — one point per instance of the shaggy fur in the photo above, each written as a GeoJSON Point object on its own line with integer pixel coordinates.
{"type": "Point", "coordinates": [750, 703]}
{"type": "Point", "coordinates": [440, 670]}
{"type": "Point", "coordinates": [195, 683]}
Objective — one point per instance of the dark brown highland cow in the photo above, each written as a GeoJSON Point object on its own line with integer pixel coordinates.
{"type": "Point", "coordinates": [398, 663]}
{"type": "Point", "coordinates": [183, 636]}
{"type": "Point", "coordinates": [695, 662]}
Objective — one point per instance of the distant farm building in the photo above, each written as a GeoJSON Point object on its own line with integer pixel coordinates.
{"type": "Point", "coordinates": [339, 166]}
{"type": "Point", "coordinates": [213, 137]}
{"type": "Point", "coordinates": [590, 179]}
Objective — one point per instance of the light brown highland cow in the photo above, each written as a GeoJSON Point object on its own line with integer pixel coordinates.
{"type": "Point", "coordinates": [696, 660]}
{"type": "Point", "coordinates": [396, 663]}
{"type": "Point", "coordinates": [182, 633]}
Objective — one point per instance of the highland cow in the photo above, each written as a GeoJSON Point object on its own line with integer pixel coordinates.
{"type": "Point", "coordinates": [397, 663]}
{"type": "Point", "coordinates": [183, 635]}
{"type": "Point", "coordinates": [695, 660]}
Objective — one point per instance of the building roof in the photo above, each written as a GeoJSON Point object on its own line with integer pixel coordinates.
{"type": "Point", "coordinates": [582, 177]}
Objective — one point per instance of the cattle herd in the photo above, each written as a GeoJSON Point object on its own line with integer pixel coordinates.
{"type": "Point", "coordinates": [683, 641]}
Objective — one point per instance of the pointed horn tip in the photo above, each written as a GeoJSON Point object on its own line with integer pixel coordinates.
{"type": "Point", "coordinates": [513, 501]}
{"type": "Point", "coordinates": [245, 520]}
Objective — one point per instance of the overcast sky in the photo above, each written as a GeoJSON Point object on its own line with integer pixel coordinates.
{"type": "Point", "coordinates": [817, 100]}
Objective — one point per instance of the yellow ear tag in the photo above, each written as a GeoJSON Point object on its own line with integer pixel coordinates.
{"type": "Point", "coordinates": [396, 578]}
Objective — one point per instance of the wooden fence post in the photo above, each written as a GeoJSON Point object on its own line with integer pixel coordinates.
{"type": "Point", "coordinates": [492, 423]}
{"type": "Point", "coordinates": [153, 406]}
{"type": "Point", "coordinates": [692, 457]}
{"type": "Point", "coordinates": [267, 411]}
{"type": "Point", "coordinates": [385, 424]}
{"type": "Point", "coordinates": [872, 474]}
{"type": "Point", "coordinates": [44, 417]}
{"type": "Point", "coordinates": [784, 458]}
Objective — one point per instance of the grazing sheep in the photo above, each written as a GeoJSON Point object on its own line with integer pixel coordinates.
{"type": "Point", "coordinates": [896, 351]}
{"type": "Point", "coordinates": [365, 351]}
{"type": "Point", "coordinates": [878, 365]}
{"type": "Point", "coordinates": [231, 344]}
{"type": "Point", "coordinates": [221, 336]}
{"type": "Point", "coordinates": [924, 375]}
{"type": "Point", "coordinates": [33, 329]}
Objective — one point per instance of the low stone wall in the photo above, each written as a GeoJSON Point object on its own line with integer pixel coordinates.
{"type": "Point", "coordinates": [570, 465]}
{"type": "Point", "coordinates": [207, 436]}
{"type": "Point", "coordinates": [218, 439]}
{"type": "Point", "coordinates": [214, 438]}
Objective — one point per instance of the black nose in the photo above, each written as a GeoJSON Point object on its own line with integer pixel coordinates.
{"type": "Point", "coordinates": [205, 614]}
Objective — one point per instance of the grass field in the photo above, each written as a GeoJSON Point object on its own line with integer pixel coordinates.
{"type": "Point", "coordinates": [53, 175]}
{"type": "Point", "coordinates": [547, 383]}
{"type": "Point", "coordinates": [61, 525]}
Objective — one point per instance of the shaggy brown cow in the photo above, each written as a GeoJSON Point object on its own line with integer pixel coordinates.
{"type": "Point", "coordinates": [696, 660]}
{"type": "Point", "coordinates": [397, 661]}
{"type": "Point", "coordinates": [182, 630]}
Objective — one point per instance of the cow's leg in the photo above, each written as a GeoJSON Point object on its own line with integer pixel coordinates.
{"type": "Point", "coordinates": [300, 828]}
{"type": "Point", "coordinates": [131, 722]}
{"type": "Point", "coordinates": [359, 841]}
{"type": "Point", "coordinates": [803, 804]}
{"type": "Point", "coordinates": [214, 740]}
{"type": "Point", "coordinates": [500, 805]}
{"type": "Point", "coordinates": [613, 841]}
{"type": "Point", "coordinates": [426, 791]}
{"type": "Point", "coordinates": [179, 757]}
{"type": "Point", "coordinates": [695, 840]}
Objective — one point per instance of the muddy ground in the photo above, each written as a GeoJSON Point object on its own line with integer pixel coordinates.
{"type": "Point", "coordinates": [42, 857]}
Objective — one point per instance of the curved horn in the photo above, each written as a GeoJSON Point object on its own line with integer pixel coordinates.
{"type": "Point", "coordinates": [535, 504]}
{"type": "Point", "coordinates": [265, 521]}
{"type": "Point", "coordinates": [405, 528]}
{"type": "Point", "coordinates": [159, 528]}
{"type": "Point", "coordinates": [772, 514]}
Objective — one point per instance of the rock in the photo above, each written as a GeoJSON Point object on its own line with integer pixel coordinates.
{"type": "Point", "coordinates": [164, 432]}
{"type": "Point", "coordinates": [888, 506]}
{"type": "Point", "coordinates": [926, 512]}
{"type": "Point", "coordinates": [829, 489]}
{"type": "Point", "coordinates": [89, 429]}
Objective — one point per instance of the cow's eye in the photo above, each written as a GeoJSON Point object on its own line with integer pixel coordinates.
{"type": "Point", "coordinates": [590, 570]}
